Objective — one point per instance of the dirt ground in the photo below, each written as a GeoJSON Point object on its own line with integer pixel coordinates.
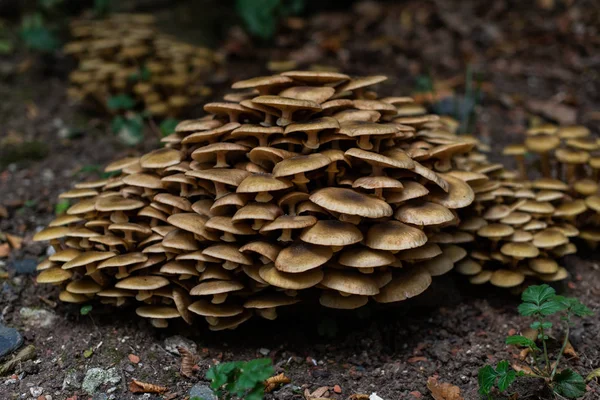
{"type": "Point", "coordinates": [535, 63]}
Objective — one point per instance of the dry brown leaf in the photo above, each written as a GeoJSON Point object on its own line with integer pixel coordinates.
{"type": "Point", "coordinates": [136, 386]}
{"type": "Point", "coordinates": [4, 250]}
{"type": "Point", "coordinates": [522, 368]}
{"type": "Point", "coordinates": [443, 391]}
{"type": "Point", "coordinates": [273, 382]}
{"type": "Point", "coordinates": [359, 396]}
{"type": "Point", "coordinates": [3, 212]}
{"type": "Point", "coordinates": [570, 351]}
{"type": "Point", "coordinates": [188, 360]}
{"type": "Point", "coordinates": [319, 393]}
{"type": "Point", "coordinates": [524, 353]}
{"type": "Point", "coordinates": [15, 241]}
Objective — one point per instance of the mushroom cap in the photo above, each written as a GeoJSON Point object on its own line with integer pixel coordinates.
{"type": "Point", "coordinates": [398, 159]}
{"type": "Point", "coordinates": [53, 275]}
{"type": "Point", "coordinates": [364, 257]}
{"type": "Point", "coordinates": [332, 299]}
{"type": "Point", "coordinates": [121, 164]}
{"type": "Point", "coordinates": [299, 164]}
{"type": "Point", "coordinates": [51, 233]}
{"type": "Point", "coordinates": [495, 231]}
{"type": "Point", "coordinates": [405, 285]}
{"type": "Point", "coordinates": [318, 94]}
{"type": "Point", "coordinates": [190, 222]}
{"type": "Point", "coordinates": [481, 278]}
{"type": "Point", "coordinates": [261, 211]}
{"type": "Point", "coordinates": [228, 252]}
{"type": "Point", "coordinates": [424, 214]}
{"type": "Point", "coordinates": [541, 143]}
{"type": "Point", "coordinates": [68, 297]}
{"type": "Point", "coordinates": [286, 103]}
{"type": "Point", "coordinates": [559, 275]}
{"type": "Point", "coordinates": [506, 278]}
{"type": "Point", "coordinates": [319, 77]}
{"type": "Point", "coordinates": [270, 300]}
{"type": "Point", "coordinates": [263, 248]}
{"type": "Point", "coordinates": [516, 218]}
{"type": "Point", "coordinates": [230, 322]}
{"type": "Point", "coordinates": [208, 309]}
{"type": "Point", "coordinates": [284, 280]}
{"type": "Point", "coordinates": [394, 236]}
{"type": "Point", "coordinates": [88, 257]}
{"type": "Point", "coordinates": [216, 287]}
{"type": "Point", "coordinates": [64, 255]}
{"type": "Point", "coordinates": [256, 183]}
{"type": "Point", "coordinates": [468, 266]}
{"type": "Point", "coordinates": [206, 135]}
{"type": "Point", "coordinates": [83, 286]}
{"type": "Point", "coordinates": [123, 260]}
{"type": "Point", "coordinates": [315, 125]}
{"type": "Point", "coordinates": [586, 187]}
{"type": "Point", "coordinates": [543, 265]}
{"type": "Point", "coordinates": [300, 257]}
{"type": "Point", "coordinates": [361, 128]}
{"type": "Point", "coordinates": [459, 194]}
{"type": "Point", "coordinates": [331, 233]}
{"type": "Point", "coordinates": [549, 238]}
{"type": "Point", "coordinates": [145, 282]}
{"type": "Point", "coordinates": [520, 250]}
{"type": "Point", "coordinates": [161, 158]}
{"type": "Point", "coordinates": [572, 132]}
{"type": "Point", "coordinates": [411, 190]}
{"type": "Point", "coordinates": [350, 282]}
{"type": "Point", "coordinates": [514, 150]}
{"type": "Point", "coordinates": [158, 312]}
{"type": "Point", "coordinates": [425, 252]}
{"type": "Point", "coordinates": [225, 224]}
{"type": "Point", "coordinates": [180, 240]}
{"type": "Point", "coordinates": [570, 209]}
{"type": "Point", "coordinates": [289, 222]}
{"type": "Point", "coordinates": [593, 202]}
{"type": "Point", "coordinates": [377, 182]}
{"type": "Point", "coordinates": [549, 184]}
{"type": "Point", "coordinates": [262, 81]}
{"type": "Point", "coordinates": [179, 267]}
{"type": "Point", "coordinates": [144, 180]}
{"type": "Point", "coordinates": [361, 82]}
{"type": "Point", "coordinates": [347, 201]}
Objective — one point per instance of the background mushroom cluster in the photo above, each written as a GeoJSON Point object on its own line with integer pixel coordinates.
{"type": "Point", "coordinates": [303, 185]}
{"type": "Point", "coordinates": [571, 156]}
{"type": "Point", "coordinates": [126, 54]}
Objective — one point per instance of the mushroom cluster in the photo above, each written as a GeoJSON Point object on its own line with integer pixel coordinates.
{"type": "Point", "coordinates": [126, 54]}
{"type": "Point", "coordinates": [300, 185]}
{"type": "Point", "coordinates": [568, 154]}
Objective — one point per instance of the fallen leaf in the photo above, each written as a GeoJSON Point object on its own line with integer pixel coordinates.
{"type": "Point", "coordinates": [136, 386]}
{"type": "Point", "coordinates": [524, 353]}
{"type": "Point", "coordinates": [359, 396]}
{"type": "Point", "coordinates": [32, 110]}
{"type": "Point", "coordinates": [27, 353]}
{"type": "Point", "coordinates": [413, 360]}
{"type": "Point", "coordinates": [3, 212]}
{"type": "Point", "coordinates": [273, 382]}
{"type": "Point", "coordinates": [443, 391]}
{"type": "Point", "coordinates": [133, 358]}
{"type": "Point", "coordinates": [593, 375]}
{"type": "Point", "coordinates": [170, 396]}
{"type": "Point", "coordinates": [570, 351]}
{"type": "Point", "coordinates": [4, 250]}
{"type": "Point", "coordinates": [320, 392]}
{"type": "Point", "coordinates": [15, 241]}
{"type": "Point", "coordinates": [416, 394]}
{"type": "Point", "coordinates": [188, 361]}
{"type": "Point", "coordinates": [88, 353]}
{"type": "Point", "coordinates": [522, 368]}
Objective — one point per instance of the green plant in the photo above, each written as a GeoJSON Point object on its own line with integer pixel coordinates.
{"type": "Point", "coordinates": [540, 302]}
{"type": "Point", "coordinates": [36, 35]}
{"type": "Point", "coordinates": [85, 310]}
{"type": "Point", "coordinates": [167, 126]}
{"type": "Point", "coordinates": [62, 206]}
{"type": "Point", "coordinates": [261, 16]}
{"type": "Point", "coordinates": [239, 379]}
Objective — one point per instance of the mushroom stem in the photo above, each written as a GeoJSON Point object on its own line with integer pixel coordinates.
{"type": "Point", "coordinates": [219, 298]}
{"type": "Point", "coordinates": [230, 265]}
{"type": "Point", "coordinates": [367, 270]}
{"type": "Point", "coordinates": [263, 197]}
{"type": "Point", "coordinates": [228, 237]}
{"type": "Point", "coordinates": [200, 266]}
{"type": "Point", "coordinates": [379, 192]}
{"type": "Point", "coordinates": [353, 219]}
{"type": "Point", "coordinates": [545, 164]}
{"type": "Point", "coordinates": [286, 235]}
{"type": "Point", "coordinates": [258, 223]}
{"type": "Point", "coordinates": [221, 160]}
{"type": "Point", "coordinates": [300, 181]}
{"type": "Point", "coordinates": [122, 273]}
{"type": "Point", "coordinates": [520, 160]}
{"type": "Point", "coordinates": [159, 323]}
{"type": "Point", "coordinates": [331, 171]}
{"type": "Point", "coordinates": [212, 320]}
{"type": "Point", "coordinates": [220, 190]}
{"type": "Point", "coordinates": [571, 172]}
{"type": "Point", "coordinates": [312, 140]}
{"type": "Point", "coordinates": [364, 142]}
{"type": "Point", "coordinates": [56, 245]}
{"type": "Point", "coordinates": [143, 295]}
{"type": "Point", "coordinates": [286, 118]}
{"type": "Point", "coordinates": [267, 313]}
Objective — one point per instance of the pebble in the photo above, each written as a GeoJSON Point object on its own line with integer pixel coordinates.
{"type": "Point", "coordinates": [37, 317]}
{"type": "Point", "coordinates": [72, 380]}
{"type": "Point", "coordinates": [36, 391]}
{"type": "Point", "coordinates": [96, 377]}
{"type": "Point", "coordinates": [10, 340]}
{"type": "Point", "coordinates": [25, 266]}
{"type": "Point", "coordinates": [100, 396]}
{"type": "Point", "coordinates": [202, 391]}
{"type": "Point", "coordinates": [172, 342]}
{"type": "Point", "coordinates": [264, 352]}
{"type": "Point", "coordinates": [374, 396]}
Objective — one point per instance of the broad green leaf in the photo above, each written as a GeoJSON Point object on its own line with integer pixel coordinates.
{"type": "Point", "coordinates": [259, 16]}
{"type": "Point", "coordinates": [575, 306]}
{"type": "Point", "coordinates": [551, 307]}
{"type": "Point", "coordinates": [168, 126]}
{"type": "Point", "coordinates": [36, 35]}
{"type": "Point", "coordinates": [519, 340]}
{"type": "Point", "coordinates": [569, 384]}
{"type": "Point", "coordinates": [88, 353]}
{"type": "Point", "coordinates": [85, 310]}
{"type": "Point", "coordinates": [527, 309]}
{"type": "Point", "coordinates": [506, 379]}
{"type": "Point", "coordinates": [62, 206]}
{"type": "Point", "coordinates": [120, 102]}
{"type": "Point", "coordinates": [132, 130]}
{"type": "Point", "coordinates": [486, 378]}
{"type": "Point", "coordinates": [538, 294]}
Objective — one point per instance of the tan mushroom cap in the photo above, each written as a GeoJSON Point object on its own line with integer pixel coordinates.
{"type": "Point", "coordinates": [256, 183]}
{"type": "Point", "coordinates": [289, 222]}
{"type": "Point", "coordinates": [157, 312]}
{"type": "Point", "coordinates": [586, 187]}
{"type": "Point", "coordinates": [318, 94]}
{"type": "Point", "coordinates": [318, 77]}
{"type": "Point", "coordinates": [146, 282]}
{"type": "Point", "coordinates": [549, 184]}
{"type": "Point", "coordinates": [520, 250]}
{"type": "Point", "coordinates": [349, 202]}
{"type": "Point", "coordinates": [495, 231]}
{"type": "Point", "coordinates": [230, 322]}
{"type": "Point", "coordinates": [51, 233]}
{"type": "Point", "coordinates": [549, 238]}
{"type": "Point", "coordinates": [78, 193]}
{"type": "Point", "coordinates": [570, 209]}
{"type": "Point", "coordinates": [115, 293]}
{"type": "Point", "coordinates": [394, 236]}
{"type": "Point", "coordinates": [161, 158]}
{"type": "Point", "coordinates": [506, 278]}
{"type": "Point", "coordinates": [123, 260]}
{"type": "Point", "coordinates": [63, 220]}
{"type": "Point", "coordinates": [410, 190]}
{"type": "Point", "coordinates": [83, 286]}
{"type": "Point", "coordinates": [332, 299]}
{"type": "Point", "coordinates": [361, 82]}
{"type": "Point", "coordinates": [216, 287]}
{"type": "Point", "coordinates": [121, 164]}
{"type": "Point", "coordinates": [559, 275]}
{"type": "Point", "coordinates": [364, 257]}
{"type": "Point", "coordinates": [204, 136]}
{"type": "Point", "coordinates": [227, 252]}
{"type": "Point", "coordinates": [190, 222]}
{"type": "Point", "coordinates": [438, 265]}
{"type": "Point", "coordinates": [541, 143]}
{"type": "Point", "coordinates": [69, 297]}
{"type": "Point", "coordinates": [300, 164]}
{"type": "Point", "coordinates": [280, 102]}
{"type": "Point", "coordinates": [481, 278]}
{"type": "Point", "coordinates": [298, 281]}
{"type": "Point", "coordinates": [208, 309]}
{"type": "Point", "coordinates": [514, 150]}
{"type": "Point", "coordinates": [53, 275]}
{"type": "Point", "coordinates": [516, 218]}
{"type": "Point", "coordinates": [405, 285]}
{"type": "Point", "coordinates": [331, 233]}
{"type": "Point", "coordinates": [262, 82]}
{"type": "Point", "coordinates": [270, 300]}
{"type": "Point", "coordinates": [263, 248]}
{"type": "Point", "coordinates": [425, 252]}
{"type": "Point", "coordinates": [573, 132]}
{"type": "Point", "coordinates": [543, 265]}
{"type": "Point", "coordinates": [397, 159]}
{"type": "Point", "coordinates": [88, 257]}
{"type": "Point", "coordinates": [301, 257]}
{"type": "Point", "coordinates": [179, 267]}
{"type": "Point", "coordinates": [225, 224]}
{"type": "Point", "coordinates": [459, 194]}
{"type": "Point", "coordinates": [350, 282]}
{"type": "Point", "coordinates": [593, 202]}
{"type": "Point", "coordinates": [468, 266]}
{"type": "Point", "coordinates": [64, 255]}
{"type": "Point", "coordinates": [193, 125]}
{"type": "Point", "coordinates": [424, 214]}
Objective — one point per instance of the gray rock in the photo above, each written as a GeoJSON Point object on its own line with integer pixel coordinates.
{"type": "Point", "coordinates": [264, 352]}
{"type": "Point", "coordinates": [202, 391]}
{"type": "Point", "coordinates": [10, 340]}
{"type": "Point", "coordinates": [37, 317]}
{"type": "Point", "coordinates": [72, 380]}
{"type": "Point", "coordinates": [100, 396]}
{"type": "Point", "coordinates": [172, 342]}
{"type": "Point", "coordinates": [24, 267]}
{"type": "Point", "coordinates": [36, 391]}
{"type": "Point", "coordinates": [96, 377]}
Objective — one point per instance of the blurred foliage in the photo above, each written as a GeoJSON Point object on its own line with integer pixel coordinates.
{"type": "Point", "coordinates": [168, 126]}
{"type": "Point", "coordinates": [262, 16]}
{"type": "Point", "coordinates": [36, 35]}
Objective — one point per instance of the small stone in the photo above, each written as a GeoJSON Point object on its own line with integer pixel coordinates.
{"type": "Point", "coordinates": [72, 380]}
{"type": "Point", "coordinates": [100, 396]}
{"type": "Point", "coordinates": [37, 317]}
{"type": "Point", "coordinates": [374, 396]}
{"type": "Point", "coordinates": [202, 391]}
{"type": "Point", "coordinates": [10, 340]}
{"type": "Point", "coordinates": [264, 352]}
{"type": "Point", "coordinates": [133, 358]}
{"type": "Point", "coordinates": [36, 391]}
{"type": "Point", "coordinates": [96, 377]}
{"type": "Point", "coordinates": [337, 389]}
{"type": "Point", "coordinates": [24, 267]}
{"type": "Point", "coordinates": [172, 342]}
{"type": "Point", "coordinates": [129, 368]}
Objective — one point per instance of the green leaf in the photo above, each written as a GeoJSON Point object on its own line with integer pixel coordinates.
{"type": "Point", "coordinates": [486, 378]}
{"type": "Point", "coordinates": [6, 46]}
{"type": "Point", "coordinates": [120, 102]}
{"type": "Point", "coordinates": [130, 129]}
{"type": "Point", "coordinates": [36, 36]}
{"type": "Point", "coordinates": [569, 384]}
{"type": "Point", "coordinates": [168, 126]}
{"type": "Point", "coordinates": [259, 16]}
{"type": "Point", "coordinates": [527, 309]}
{"type": "Point", "coordinates": [85, 310]}
{"type": "Point", "coordinates": [575, 306]}
{"type": "Point", "coordinates": [593, 375]}
{"type": "Point", "coordinates": [88, 353]}
{"type": "Point", "coordinates": [506, 375]}
{"type": "Point", "coordinates": [519, 340]}
{"type": "Point", "coordinates": [551, 307]}
{"type": "Point", "coordinates": [538, 294]}
{"type": "Point", "coordinates": [62, 206]}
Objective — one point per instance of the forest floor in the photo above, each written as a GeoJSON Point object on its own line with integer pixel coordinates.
{"type": "Point", "coordinates": [534, 63]}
